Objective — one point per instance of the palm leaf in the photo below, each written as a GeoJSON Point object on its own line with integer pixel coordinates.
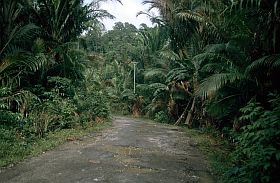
{"type": "Point", "coordinates": [155, 74]}
{"type": "Point", "coordinates": [167, 53]}
{"type": "Point", "coordinates": [213, 83]}
{"type": "Point", "coordinates": [26, 33]}
{"type": "Point", "coordinates": [179, 74]}
{"type": "Point", "coordinates": [270, 62]}
{"type": "Point", "coordinates": [212, 68]}
{"type": "Point", "coordinates": [161, 93]}
{"type": "Point", "coordinates": [128, 95]}
{"type": "Point", "coordinates": [157, 86]}
{"type": "Point", "coordinates": [190, 15]}
{"type": "Point", "coordinates": [20, 36]}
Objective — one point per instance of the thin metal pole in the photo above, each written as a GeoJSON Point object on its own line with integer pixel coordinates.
{"type": "Point", "coordinates": [134, 64]}
{"type": "Point", "coordinates": [134, 76]}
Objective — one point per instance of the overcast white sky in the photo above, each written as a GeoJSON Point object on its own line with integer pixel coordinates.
{"type": "Point", "coordinates": [125, 13]}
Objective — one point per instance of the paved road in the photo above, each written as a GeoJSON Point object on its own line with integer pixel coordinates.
{"type": "Point", "coordinates": [131, 151]}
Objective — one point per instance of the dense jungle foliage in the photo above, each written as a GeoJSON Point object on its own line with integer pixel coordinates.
{"type": "Point", "coordinates": [46, 80]}
{"type": "Point", "coordinates": [206, 64]}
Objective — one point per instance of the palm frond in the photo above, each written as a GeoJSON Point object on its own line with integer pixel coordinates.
{"type": "Point", "coordinates": [215, 48]}
{"type": "Point", "coordinates": [26, 33]}
{"type": "Point", "coordinates": [157, 85]}
{"type": "Point", "coordinates": [170, 55]}
{"type": "Point", "coordinates": [16, 63]}
{"type": "Point", "coordinates": [161, 93]}
{"type": "Point", "coordinates": [213, 83]}
{"type": "Point", "coordinates": [101, 14]}
{"type": "Point", "coordinates": [224, 107]}
{"type": "Point", "coordinates": [179, 74]}
{"type": "Point", "coordinates": [153, 18]}
{"type": "Point", "coordinates": [71, 62]}
{"type": "Point", "coordinates": [190, 15]}
{"type": "Point", "coordinates": [155, 75]}
{"type": "Point", "coordinates": [128, 95]}
{"type": "Point", "coordinates": [270, 62]}
{"type": "Point", "coordinates": [34, 62]}
{"type": "Point", "coordinates": [212, 68]}
{"type": "Point", "coordinates": [19, 35]}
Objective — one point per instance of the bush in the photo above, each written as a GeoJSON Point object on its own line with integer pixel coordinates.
{"type": "Point", "coordinates": [91, 106]}
{"type": "Point", "coordinates": [10, 119]}
{"type": "Point", "coordinates": [52, 114]}
{"type": "Point", "coordinates": [63, 86]}
{"type": "Point", "coordinates": [100, 106]}
{"type": "Point", "coordinates": [162, 117]}
{"type": "Point", "coordinates": [257, 156]}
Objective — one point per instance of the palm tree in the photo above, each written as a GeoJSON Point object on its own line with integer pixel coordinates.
{"type": "Point", "coordinates": [237, 72]}
{"type": "Point", "coordinates": [19, 50]}
{"type": "Point", "coordinates": [189, 23]}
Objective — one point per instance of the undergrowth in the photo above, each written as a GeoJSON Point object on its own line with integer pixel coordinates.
{"type": "Point", "coordinates": [15, 148]}
{"type": "Point", "coordinates": [214, 148]}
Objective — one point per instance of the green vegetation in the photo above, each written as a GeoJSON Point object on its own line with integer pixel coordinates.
{"type": "Point", "coordinates": [216, 149]}
{"type": "Point", "coordinates": [206, 64]}
{"type": "Point", "coordinates": [46, 95]}
{"type": "Point", "coordinates": [15, 148]}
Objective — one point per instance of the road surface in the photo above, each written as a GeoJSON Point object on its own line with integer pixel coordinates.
{"type": "Point", "coordinates": [131, 151]}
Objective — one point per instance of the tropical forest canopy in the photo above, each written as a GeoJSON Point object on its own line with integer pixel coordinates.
{"type": "Point", "coordinates": [206, 64]}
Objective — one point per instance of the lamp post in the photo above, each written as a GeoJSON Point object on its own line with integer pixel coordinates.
{"type": "Point", "coordinates": [134, 75]}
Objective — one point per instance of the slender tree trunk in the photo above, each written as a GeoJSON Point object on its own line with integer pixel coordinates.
{"type": "Point", "coordinates": [195, 87]}
{"type": "Point", "coordinates": [183, 115]}
{"type": "Point", "coordinates": [190, 114]}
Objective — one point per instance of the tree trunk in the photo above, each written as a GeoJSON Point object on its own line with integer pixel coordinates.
{"type": "Point", "coordinates": [183, 115]}
{"type": "Point", "coordinates": [190, 114]}
{"type": "Point", "coordinates": [136, 111]}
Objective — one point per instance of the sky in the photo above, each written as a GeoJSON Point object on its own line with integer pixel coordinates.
{"type": "Point", "coordinates": [125, 13]}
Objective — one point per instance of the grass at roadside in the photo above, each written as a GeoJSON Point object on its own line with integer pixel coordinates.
{"type": "Point", "coordinates": [14, 148]}
{"type": "Point", "coordinates": [215, 148]}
